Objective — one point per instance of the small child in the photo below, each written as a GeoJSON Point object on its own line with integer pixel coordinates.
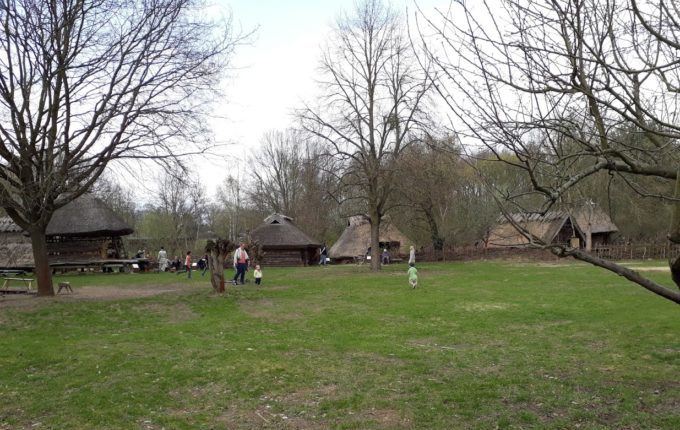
{"type": "Point", "coordinates": [258, 274]}
{"type": "Point", "coordinates": [413, 275]}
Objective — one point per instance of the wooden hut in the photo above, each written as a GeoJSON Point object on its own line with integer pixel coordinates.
{"type": "Point", "coordinates": [283, 243]}
{"type": "Point", "coordinates": [356, 238]}
{"type": "Point", "coordinates": [83, 230]}
{"type": "Point", "coordinates": [585, 227]}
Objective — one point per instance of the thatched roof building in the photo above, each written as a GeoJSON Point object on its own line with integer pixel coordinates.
{"type": "Point", "coordinates": [356, 239]}
{"type": "Point", "coordinates": [590, 225]}
{"type": "Point", "coordinates": [283, 243]}
{"type": "Point", "coordinates": [85, 229]}
{"type": "Point", "coordinates": [87, 216]}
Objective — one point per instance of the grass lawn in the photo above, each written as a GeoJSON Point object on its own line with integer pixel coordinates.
{"type": "Point", "coordinates": [478, 345]}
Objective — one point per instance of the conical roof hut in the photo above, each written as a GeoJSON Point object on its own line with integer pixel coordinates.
{"type": "Point", "coordinates": [283, 243]}
{"type": "Point", "coordinates": [356, 239]}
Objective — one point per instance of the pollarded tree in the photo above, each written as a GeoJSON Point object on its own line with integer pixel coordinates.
{"type": "Point", "coordinates": [87, 82]}
{"type": "Point", "coordinates": [372, 106]}
{"type": "Point", "coordinates": [571, 88]}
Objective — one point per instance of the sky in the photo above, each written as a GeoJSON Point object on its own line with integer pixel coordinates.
{"type": "Point", "coordinates": [274, 73]}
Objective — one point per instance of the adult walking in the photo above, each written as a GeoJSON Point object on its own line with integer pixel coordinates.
{"type": "Point", "coordinates": [162, 260]}
{"type": "Point", "coordinates": [412, 255]}
{"type": "Point", "coordinates": [241, 261]}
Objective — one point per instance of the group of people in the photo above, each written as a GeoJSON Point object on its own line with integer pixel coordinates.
{"type": "Point", "coordinates": [241, 263]}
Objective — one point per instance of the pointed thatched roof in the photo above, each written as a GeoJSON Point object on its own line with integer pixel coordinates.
{"type": "Point", "coordinates": [356, 238]}
{"type": "Point", "coordinates": [87, 216]}
{"type": "Point", "coordinates": [547, 226]}
{"type": "Point", "coordinates": [278, 231]}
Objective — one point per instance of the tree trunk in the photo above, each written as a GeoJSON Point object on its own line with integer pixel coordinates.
{"type": "Point", "coordinates": [437, 239]}
{"type": "Point", "coordinates": [216, 262]}
{"type": "Point", "coordinates": [375, 241]}
{"type": "Point", "coordinates": [674, 233]}
{"type": "Point", "coordinates": [42, 267]}
{"type": "Point", "coordinates": [674, 230]}
{"type": "Point", "coordinates": [218, 252]}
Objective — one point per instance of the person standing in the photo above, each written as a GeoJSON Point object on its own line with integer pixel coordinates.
{"type": "Point", "coordinates": [412, 255]}
{"type": "Point", "coordinates": [162, 260]}
{"type": "Point", "coordinates": [385, 257]}
{"type": "Point", "coordinates": [187, 265]}
{"type": "Point", "coordinates": [206, 264]}
{"type": "Point", "coordinates": [324, 255]}
{"type": "Point", "coordinates": [241, 260]}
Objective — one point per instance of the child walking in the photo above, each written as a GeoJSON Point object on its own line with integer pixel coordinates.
{"type": "Point", "coordinates": [258, 274]}
{"type": "Point", "coordinates": [413, 275]}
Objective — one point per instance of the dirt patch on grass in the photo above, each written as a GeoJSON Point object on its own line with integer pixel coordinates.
{"type": "Point", "coordinates": [265, 417]}
{"type": "Point", "coordinates": [31, 302]}
{"type": "Point", "coordinates": [386, 418]}
{"type": "Point", "coordinates": [485, 307]}
{"type": "Point", "coordinates": [175, 313]}
{"type": "Point", "coordinates": [311, 396]}
{"type": "Point", "coordinates": [651, 269]}
{"type": "Point", "coordinates": [266, 309]}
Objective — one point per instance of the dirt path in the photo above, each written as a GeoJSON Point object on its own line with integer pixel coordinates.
{"type": "Point", "coordinates": [95, 293]}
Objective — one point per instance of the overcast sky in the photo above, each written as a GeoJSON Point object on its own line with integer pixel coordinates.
{"type": "Point", "coordinates": [277, 71]}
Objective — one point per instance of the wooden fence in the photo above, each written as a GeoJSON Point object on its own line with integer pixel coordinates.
{"type": "Point", "coordinates": [611, 252]}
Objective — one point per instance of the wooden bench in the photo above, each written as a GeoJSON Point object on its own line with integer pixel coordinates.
{"type": "Point", "coordinates": [28, 284]}
{"type": "Point", "coordinates": [66, 286]}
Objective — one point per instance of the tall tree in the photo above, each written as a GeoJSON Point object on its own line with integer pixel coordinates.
{"type": "Point", "coordinates": [571, 88]}
{"type": "Point", "coordinates": [372, 106]}
{"type": "Point", "coordinates": [278, 172]}
{"type": "Point", "coordinates": [87, 82]}
{"type": "Point", "coordinates": [426, 185]}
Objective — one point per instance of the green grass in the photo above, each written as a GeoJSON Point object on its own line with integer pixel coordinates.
{"type": "Point", "coordinates": [478, 345]}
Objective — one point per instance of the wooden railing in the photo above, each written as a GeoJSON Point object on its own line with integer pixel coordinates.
{"type": "Point", "coordinates": [609, 252]}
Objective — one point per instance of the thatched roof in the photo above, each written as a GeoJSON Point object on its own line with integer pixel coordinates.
{"type": "Point", "coordinates": [356, 238]}
{"type": "Point", "coordinates": [278, 231]}
{"type": "Point", "coordinates": [547, 226]}
{"type": "Point", "coordinates": [8, 226]}
{"type": "Point", "coordinates": [87, 216]}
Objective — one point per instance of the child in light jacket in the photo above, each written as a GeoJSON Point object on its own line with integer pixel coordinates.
{"type": "Point", "coordinates": [258, 274]}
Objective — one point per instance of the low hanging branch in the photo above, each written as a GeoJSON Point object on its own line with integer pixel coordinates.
{"type": "Point", "coordinates": [627, 273]}
{"type": "Point", "coordinates": [218, 251]}
{"type": "Point", "coordinates": [674, 233]}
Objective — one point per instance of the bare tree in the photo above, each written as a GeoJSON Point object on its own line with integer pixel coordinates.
{"type": "Point", "coordinates": [278, 171]}
{"type": "Point", "coordinates": [173, 218]}
{"type": "Point", "coordinates": [86, 82]}
{"type": "Point", "coordinates": [291, 176]}
{"type": "Point", "coordinates": [373, 103]}
{"type": "Point", "coordinates": [571, 88]}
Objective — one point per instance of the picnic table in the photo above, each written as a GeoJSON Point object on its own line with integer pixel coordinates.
{"type": "Point", "coordinates": [7, 284]}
